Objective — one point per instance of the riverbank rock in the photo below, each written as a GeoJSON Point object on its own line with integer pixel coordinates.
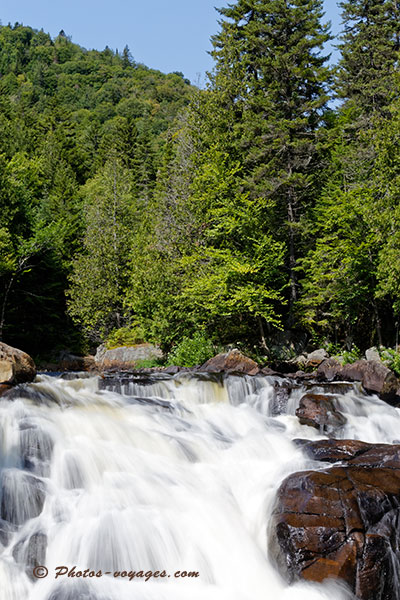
{"type": "Point", "coordinates": [342, 522]}
{"type": "Point", "coordinates": [231, 362]}
{"type": "Point", "coordinates": [317, 410]}
{"type": "Point", "coordinates": [125, 357]}
{"type": "Point", "coordinates": [15, 366]}
{"type": "Point", "coordinates": [314, 359]}
{"type": "Point", "coordinates": [373, 354]}
{"type": "Point", "coordinates": [374, 376]}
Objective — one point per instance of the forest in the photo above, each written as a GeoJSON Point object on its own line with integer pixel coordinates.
{"type": "Point", "coordinates": [136, 207]}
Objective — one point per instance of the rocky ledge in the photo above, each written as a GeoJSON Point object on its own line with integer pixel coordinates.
{"type": "Point", "coordinates": [374, 376]}
{"type": "Point", "coordinates": [343, 521]}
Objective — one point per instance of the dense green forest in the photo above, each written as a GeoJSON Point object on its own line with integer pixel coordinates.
{"type": "Point", "coordinates": [136, 207]}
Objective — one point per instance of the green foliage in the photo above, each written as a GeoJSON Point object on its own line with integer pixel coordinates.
{"type": "Point", "coordinates": [391, 358]}
{"type": "Point", "coordinates": [125, 336]}
{"type": "Point", "coordinates": [159, 210]}
{"type": "Point", "coordinates": [350, 356]}
{"type": "Point", "coordinates": [99, 276]}
{"type": "Point", "coordinates": [369, 46]}
{"type": "Point", "coordinates": [149, 363]}
{"type": "Point", "coordinates": [64, 113]}
{"type": "Point", "coordinates": [192, 351]}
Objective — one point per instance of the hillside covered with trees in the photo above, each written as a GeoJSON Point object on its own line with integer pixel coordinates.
{"type": "Point", "coordinates": [137, 207]}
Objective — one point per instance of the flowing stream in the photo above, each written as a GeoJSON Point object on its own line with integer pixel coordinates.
{"type": "Point", "coordinates": [169, 474]}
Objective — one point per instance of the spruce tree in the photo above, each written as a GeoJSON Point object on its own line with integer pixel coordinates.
{"type": "Point", "coordinates": [370, 47]}
{"type": "Point", "coordinates": [271, 81]}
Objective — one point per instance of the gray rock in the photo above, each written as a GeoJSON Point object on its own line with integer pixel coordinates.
{"type": "Point", "coordinates": [372, 354]}
{"type": "Point", "coordinates": [316, 358]}
{"type": "Point", "coordinates": [126, 357]}
{"type": "Point", "coordinates": [22, 496]}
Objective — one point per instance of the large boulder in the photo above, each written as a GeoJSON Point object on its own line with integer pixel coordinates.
{"type": "Point", "coordinates": [231, 362]}
{"type": "Point", "coordinates": [15, 366]}
{"type": "Point", "coordinates": [374, 376]}
{"type": "Point", "coordinates": [125, 357]}
{"type": "Point", "coordinates": [342, 522]}
{"type": "Point", "coordinates": [317, 410]}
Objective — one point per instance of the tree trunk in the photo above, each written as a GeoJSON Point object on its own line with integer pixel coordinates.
{"type": "Point", "coordinates": [4, 304]}
{"type": "Point", "coordinates": [378, 324]}
{"type": "Point", "coordinates": [292, 257]}
{"type": "Point", "coordinates": [262, 334]}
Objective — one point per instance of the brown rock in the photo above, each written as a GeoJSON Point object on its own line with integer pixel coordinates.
{"type": "Point", "coordinates": [374, 376]}
{"type": "Point", "coordinates": [329, 369]}
{"type": "Point", "coordinates": [343, 522]}
{"type": "Point", "coordinates": [335, 450]}
{"type": "Point", "coordinates": [231, 362]}
{"type": "Point", "coordinates": [4, 387]}
{"type": "Point", "coordinates": [314, 359]}
{"type": "Point", "coordinates": [319, 411]}
{"type": "Point", "coordinates": [15, 366]}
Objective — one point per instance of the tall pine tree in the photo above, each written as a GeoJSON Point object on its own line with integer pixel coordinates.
{"type": "Point", "coordinates": [370, 46]}
{"type": "Point", "coordinates": [271, 81]}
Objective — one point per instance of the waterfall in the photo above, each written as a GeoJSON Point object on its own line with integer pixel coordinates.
{"type": "Point", "coordinates": [168, 474]}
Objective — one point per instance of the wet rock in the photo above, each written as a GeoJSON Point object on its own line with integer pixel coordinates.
{"type": "Point", "coordinates": [301, 376]}
{"type": "Point", "coordinates": [317, 410]}
{"type": "Point", "coordinates": [374, 376]}
{"type": "Point", "coordinates": [74, 590]}
{"type": "Point", "coordinates": [15, 366]}
{"type": "Point", "coordinates": [22, 496]}
{"type": "Point", "coordinates": [6, 530]}
{"type": "Point", "coordinates": [172, 370]}
{"type": "Point", "coordinates": [329, 369]}
{"type": "Point", "coordinates": [31, 552]}
{"type": "Point", "coordinates": [343, 522]}
{"type": "Point", "coordinates": [36, 446]}
{"type": "Point", "coordinates": [335, 450]}
{"type": "Point", "coordinates": [4, 388]}
{"type": "Point", "coordinates": [231, 362]}
{"type": "Point", "coordinates": [280, 400]}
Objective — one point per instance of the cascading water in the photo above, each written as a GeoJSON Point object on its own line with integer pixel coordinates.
{"type": "Point", "coordinates": [173, 474]}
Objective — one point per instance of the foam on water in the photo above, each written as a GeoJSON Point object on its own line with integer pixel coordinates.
{"type": "Point", "coordinates": [180, 474]}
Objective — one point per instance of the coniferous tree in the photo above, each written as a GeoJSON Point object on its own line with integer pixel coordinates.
{"type": "Point", "coordinates": [345, 293]}
{"type": "Point", "coordinates": [370, 47]}
{"type": "Point", "coordinates": [271, 81]}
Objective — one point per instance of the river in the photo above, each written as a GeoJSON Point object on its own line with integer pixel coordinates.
{"type": "Point", "coordinates": [174, 474]}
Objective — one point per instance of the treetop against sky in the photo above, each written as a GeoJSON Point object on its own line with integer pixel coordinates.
{"type": "Point", "coordinates": [169, 35]}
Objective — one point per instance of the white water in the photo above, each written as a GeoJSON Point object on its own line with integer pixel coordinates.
{"type": "Point", "coordinates": [184, 482]}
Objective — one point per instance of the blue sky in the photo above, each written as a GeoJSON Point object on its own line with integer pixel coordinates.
{"type": "Point", "coordinates": [170, 35]}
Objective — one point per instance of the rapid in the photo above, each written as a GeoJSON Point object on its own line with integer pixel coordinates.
{"type": "Point", "coordinates": [161, 473]}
